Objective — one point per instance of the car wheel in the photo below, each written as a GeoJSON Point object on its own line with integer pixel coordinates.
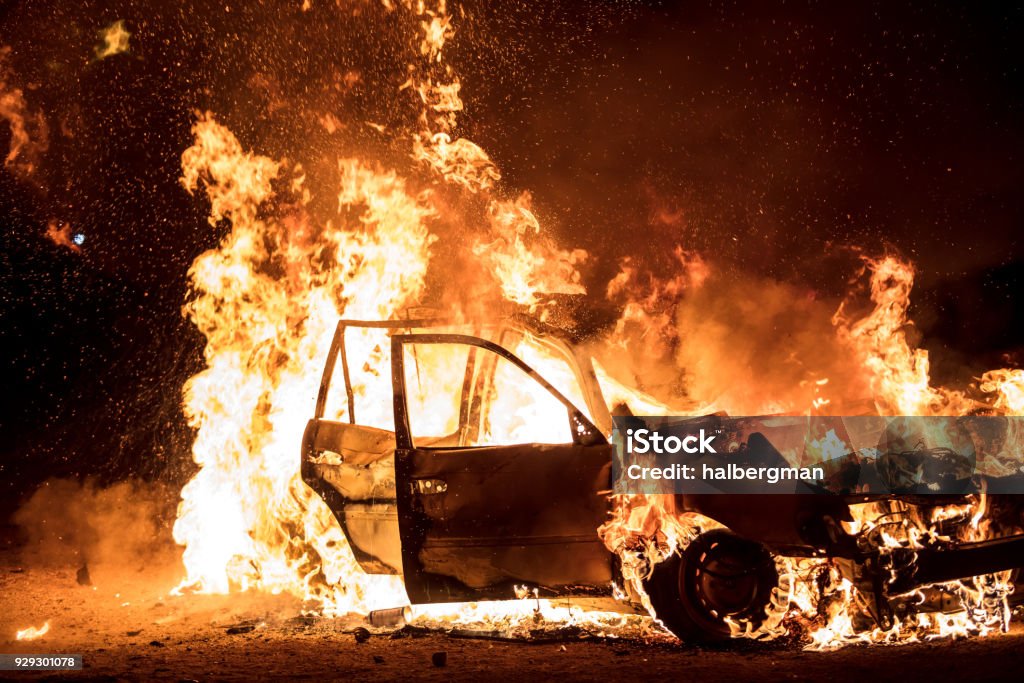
{"type": "Point", "coordinates": [718, 575]}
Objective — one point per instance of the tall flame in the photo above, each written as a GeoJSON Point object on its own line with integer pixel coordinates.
{"type": "Point", "coordinates": [267, 299]}
{"type": "Point", "coordinates": [898, 374]}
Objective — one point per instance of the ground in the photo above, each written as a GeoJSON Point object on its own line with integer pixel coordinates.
{"type": "Point", "coordinates": [129, 628]}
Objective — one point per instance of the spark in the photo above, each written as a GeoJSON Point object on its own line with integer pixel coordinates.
{"type": "Point", "coordinates": [115, 40]}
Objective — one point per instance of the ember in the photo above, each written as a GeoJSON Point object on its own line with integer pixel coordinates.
{"type": "Point", "coordinates": [32, 632]}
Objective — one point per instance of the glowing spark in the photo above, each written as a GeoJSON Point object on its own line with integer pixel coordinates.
{"type": "Point", "coordinates": [31, 633]}
{"type": "Point", "coordinates": [115, 40]}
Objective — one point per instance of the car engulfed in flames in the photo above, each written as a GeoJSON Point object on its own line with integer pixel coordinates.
{"type": "Point", "coordinates": [465, 461]}
{"type": "Point", "coordinates": [483, 479]}
{"type": "Point", "coordinates": [470, 461]}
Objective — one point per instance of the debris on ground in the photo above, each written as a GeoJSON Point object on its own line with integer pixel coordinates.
{"type": "Point", "coordinates": [243, 628]}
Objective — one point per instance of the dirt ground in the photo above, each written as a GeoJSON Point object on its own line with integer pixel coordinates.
{"type": "Point", "coordinates": [127, 627]}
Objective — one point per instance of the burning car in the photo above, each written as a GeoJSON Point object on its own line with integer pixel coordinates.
{"type": "Point", "coordinates": [486, 479]}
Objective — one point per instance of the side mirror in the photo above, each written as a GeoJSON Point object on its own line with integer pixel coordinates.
{"type": "Point", "coordinates": [583, 432]}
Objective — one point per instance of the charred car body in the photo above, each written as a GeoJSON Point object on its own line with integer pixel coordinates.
{"type": "Point", "coordinates": [483, 477]}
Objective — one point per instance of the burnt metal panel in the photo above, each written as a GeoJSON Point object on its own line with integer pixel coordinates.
{"type": "Point", "coordinates": [477, 522]}
{"type": "Point", "coordinates": [796, 523]}
{"type": "Point", "coordinates": [505, 516]}
{"type": "Point", "coordinates": [356, 482]}
{"type": "Point", "coordinates": [965, 560]}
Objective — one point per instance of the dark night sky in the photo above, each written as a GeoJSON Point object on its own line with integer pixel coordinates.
{"type": "Point", "coordinates": [767, 136]}
{"type": "Point", "coordinates": [768, 128]}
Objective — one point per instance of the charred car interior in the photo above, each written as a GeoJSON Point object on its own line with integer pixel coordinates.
{"type": "Point", "coordinates": [441, 498]}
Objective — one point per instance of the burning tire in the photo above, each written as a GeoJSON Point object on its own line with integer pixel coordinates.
{"type": "Point", "coordinates": [718, 575]}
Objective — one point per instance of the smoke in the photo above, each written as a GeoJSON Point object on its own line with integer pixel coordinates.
{"type": "Point", "coordinates": [29, 132]}
{"type": "Point", "coordinates": [707, 338]}
{"type": "Point", "coordinates": [756, 345]}
{"type": "Point", "coordinates": [70, 522]}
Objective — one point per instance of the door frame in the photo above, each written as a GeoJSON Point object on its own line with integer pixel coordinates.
{"type": "Point", "coordinates": [583, 431]}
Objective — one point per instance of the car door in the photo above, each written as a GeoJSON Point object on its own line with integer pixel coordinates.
{"type": "Point", "coordinates": [501, 481]}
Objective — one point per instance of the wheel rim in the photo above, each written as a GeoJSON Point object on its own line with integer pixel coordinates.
{"type": "Point", "coordinates": [725, 584]}
{"type": "Point", "coordinates": [726, 577]}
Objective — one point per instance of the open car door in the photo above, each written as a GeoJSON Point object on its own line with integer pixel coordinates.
{"type": "Point", "coordinates": [501, 481]}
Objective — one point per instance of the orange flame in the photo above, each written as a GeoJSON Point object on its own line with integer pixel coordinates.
{"type": "Point", "coordinates": [61, 236]}
{"type": "Point", "coordinates": [645, 530]}
{"type": "Point", "coordinates": [32, 632]}
{"type": "Point", "coordinates": [115, 40]}
{"type": "Point", "coordinates": [267, 299]}
{"type": "Point", "coordinates": [897, 373]}
{"type": "Point", "coordinates": [29, 132]}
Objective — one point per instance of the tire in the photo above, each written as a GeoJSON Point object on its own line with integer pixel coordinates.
{"type": "Point", "coordinates": [718, 575]}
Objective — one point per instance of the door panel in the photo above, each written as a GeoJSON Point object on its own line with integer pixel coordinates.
{"type": "Point", "coordinates": [478, 521]}
{"type": "Point", "coordinates": [351, 468]}
{"type": "Point", "coordinates": [483, 520]}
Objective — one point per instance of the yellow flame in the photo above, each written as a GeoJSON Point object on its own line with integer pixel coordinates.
{"type": "Point", "coordinates": [33, 632]}
{"type": "Point", "coordinates": [897, 372]}
{"type": "Point", "coordinates": [267, 299]}
{"type": "Point", "coordinates": [1008, 386]}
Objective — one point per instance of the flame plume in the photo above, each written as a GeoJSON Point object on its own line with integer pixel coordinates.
{"type": "Point", "coordinates": [645, 530]}
{"type": "Point", "coordinates": [29, 132]}
{"type": "Point", "coordinates": [267, 299]}
{"type": "Point", "coordinates": [897, 373]}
